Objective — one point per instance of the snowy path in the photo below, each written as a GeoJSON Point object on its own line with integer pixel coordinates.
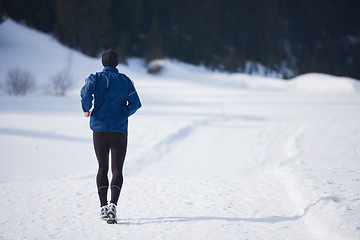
{"type": "Point", "coordinates": [169, 208]}
{"type": "Point", "coordinates": [156, 208]}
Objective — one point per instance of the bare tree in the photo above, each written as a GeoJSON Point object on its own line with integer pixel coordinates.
{"type": "Point", "coordinates": [61, 82]}
{"type": "Point", "coordinates": [19, 82]}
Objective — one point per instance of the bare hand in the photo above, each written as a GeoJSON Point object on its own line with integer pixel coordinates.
{"type": "Point", "coordinates": [87, 114]}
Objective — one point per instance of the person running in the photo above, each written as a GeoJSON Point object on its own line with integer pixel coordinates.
{"type": "Point", "coordinates": [115, 100]}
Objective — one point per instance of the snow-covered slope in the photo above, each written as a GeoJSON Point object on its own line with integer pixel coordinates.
{"type": "Point", "coordinates": [210, 156]}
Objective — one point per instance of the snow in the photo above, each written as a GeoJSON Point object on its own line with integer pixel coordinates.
{"type": "Point", "coordinates": [323, 83]}
{"type": "Point", "coordinates": [211, 155]}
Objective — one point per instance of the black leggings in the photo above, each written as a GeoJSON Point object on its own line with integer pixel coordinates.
{"type": "Point", "coordinates": [104, 142]}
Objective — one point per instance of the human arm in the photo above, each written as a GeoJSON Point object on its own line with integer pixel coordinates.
{"type": "Point", "coordinates": [133, 101]}
{"type": "Point", "coordinates": [87, 93]}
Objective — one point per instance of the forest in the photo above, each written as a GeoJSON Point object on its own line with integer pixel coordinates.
{"type": "Point", "coordinates": [301, 35]}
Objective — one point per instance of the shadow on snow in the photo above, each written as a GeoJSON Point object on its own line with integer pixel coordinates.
{"type": "Point", "coordinates": [270, 219]}
{"type": "Point", "coordinates": [38, 134]}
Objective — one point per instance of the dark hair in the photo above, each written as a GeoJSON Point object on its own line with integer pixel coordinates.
{"type": "Point", "coordinates": [110, 58]}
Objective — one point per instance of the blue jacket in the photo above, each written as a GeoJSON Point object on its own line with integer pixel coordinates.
{"type": "Point", "coordinates": [115, 99]}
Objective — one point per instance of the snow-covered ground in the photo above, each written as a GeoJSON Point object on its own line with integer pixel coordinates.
{"type": "Point", "coordinates": [210, 155]}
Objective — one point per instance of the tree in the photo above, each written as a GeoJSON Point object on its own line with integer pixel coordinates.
{"type": "Point", "coordinates": [1, 12]}
{"type": "Point", "coordinates": [321, 36]}
{"type": "Point", "coordinates": [61, 83]}
{"type": "Point", "coordinates": [127, 27]}
{"type": "Point", "coordinates": [19, 82]}
{"type": "Point", "coordinates": [84, 25]}
{"type": "Point", "coordinates": [153, 42]}
{"type": "Point", "coordinates": [40, 14]}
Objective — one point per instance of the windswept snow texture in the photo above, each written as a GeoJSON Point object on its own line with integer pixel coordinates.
{"type": "Point", "coordinates": [210, 155]}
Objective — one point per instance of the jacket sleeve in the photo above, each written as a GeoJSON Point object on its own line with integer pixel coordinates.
{"type": "Point", "coordinates": [133, 99]}
{"type": "Point", "coordinates": [87, 92]}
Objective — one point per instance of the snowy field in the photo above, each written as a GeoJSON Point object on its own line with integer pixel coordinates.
{"type": "Point", "coordinates": [210, 156]}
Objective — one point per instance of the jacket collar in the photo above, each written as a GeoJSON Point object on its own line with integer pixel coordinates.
{"type": "Point", "coordinates": [110, 69]}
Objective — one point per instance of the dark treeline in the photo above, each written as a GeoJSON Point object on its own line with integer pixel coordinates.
{"type": "Point", "coordinates": [302, 35]}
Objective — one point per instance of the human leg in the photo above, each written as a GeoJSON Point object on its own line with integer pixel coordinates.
{"type": "Point", "coordinates": [102, 148]}
{"type": "Point", "coordinates": [118, 148]}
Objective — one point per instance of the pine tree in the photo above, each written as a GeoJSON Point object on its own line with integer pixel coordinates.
{"type": "Point", "coordinates": [153, 42]}
{"type": "Point", "coordinates": [2, 14]}
{"type": "Point", "coordinates": [126, 23]}
{"type": "Point", "coordinates": [321, 36]}
{"type": "Point", "coordinates": [40, 14]}
{"type": "Point", "coordinates": [84, 25]}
